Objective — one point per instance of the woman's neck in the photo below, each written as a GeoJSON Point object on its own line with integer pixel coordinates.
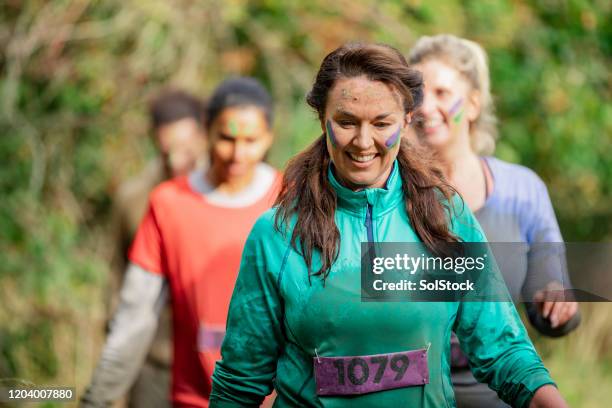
{"type": "Point", "coordinates": [463, 170]}
{"type": "Point", "coordinates": [228, 185]}
{"type": "Point", "coordinates": [454, 155]}
{"type": "Point", "coordinates": [381, 182]}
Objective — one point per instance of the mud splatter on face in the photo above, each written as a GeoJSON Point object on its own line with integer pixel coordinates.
{"type": "Point", "coordinates": [394, 139]}
{"type": "Point", "coordinates": [330, 133]}
{"type": "Point", "coordinates": [346, 94]}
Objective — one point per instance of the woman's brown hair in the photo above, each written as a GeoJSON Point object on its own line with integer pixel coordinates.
{"type": "Point", "coordinates": [306, 191]}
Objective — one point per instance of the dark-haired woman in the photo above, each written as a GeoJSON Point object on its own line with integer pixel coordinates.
{"type": "Point", "coordinates": [189, 244]}
{"type": "Point", "coordinates": [297, 302]}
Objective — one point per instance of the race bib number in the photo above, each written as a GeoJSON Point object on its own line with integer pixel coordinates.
{"type": "Point", "coordinates": [210, 337]}
{"type": "Point", "coordinates": [365, 374]}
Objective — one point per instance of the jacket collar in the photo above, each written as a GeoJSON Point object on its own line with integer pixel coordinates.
{"type": "Point", "coordinates": [382, 200]}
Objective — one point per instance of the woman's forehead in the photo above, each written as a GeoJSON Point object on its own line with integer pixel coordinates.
{"type": "Point", "coordinates": [245, 120]}
{"type": "Point", "coordinates": [439, 71]}
{"type": "Point", "coordinates": [359, 94]}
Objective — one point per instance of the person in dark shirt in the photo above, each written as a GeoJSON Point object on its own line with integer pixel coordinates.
{"type": "Point", "coordinates": [177, 128]}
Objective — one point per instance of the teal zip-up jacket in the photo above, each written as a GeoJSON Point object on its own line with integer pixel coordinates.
{"type": "Point", "coordinates": [279, 320]}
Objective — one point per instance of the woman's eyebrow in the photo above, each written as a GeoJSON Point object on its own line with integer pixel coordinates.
{"type": "Point", "coordinates": [224, 135]}
{"type": "Point", "coordinates": [350, 115]}
{"type": "Point", "coordinates": [382, 116]}
{"type": "Point", "coordinates": [341, 112]}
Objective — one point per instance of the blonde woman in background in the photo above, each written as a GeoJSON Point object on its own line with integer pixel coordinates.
{"type": "Point", "coordinates": [510, 201]}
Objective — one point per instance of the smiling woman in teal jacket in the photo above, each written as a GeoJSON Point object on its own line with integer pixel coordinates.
{"type": "Point", "coordinates": [296, 319]}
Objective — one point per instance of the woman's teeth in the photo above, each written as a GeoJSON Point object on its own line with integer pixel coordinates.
{"type": "Point", "coordinates": [362, 158]}
{"type": "Point", "coordinates": [433, 122]}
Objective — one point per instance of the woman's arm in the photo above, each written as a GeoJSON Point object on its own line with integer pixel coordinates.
{"type": "Point", "coordinates": [499, 350]}
{"type": "Point", "coordinates": [491, 332]}
{"type": "Point", "coordinates": [254, 335]}
{"type": "Point", "coordinates": [548, 397]}
{"type": "Point", "coordinates": [547, 277]}
{"type": "Point", "coordinates": [142, 297]}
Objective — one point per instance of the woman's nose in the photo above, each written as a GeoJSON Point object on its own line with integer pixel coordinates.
{"type": "Point", "coordinates": [364, 139]}
{"type": "Point", "coordinates": [428, 105]}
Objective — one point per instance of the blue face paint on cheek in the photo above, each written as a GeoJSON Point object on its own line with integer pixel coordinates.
{"type": "Point", "coordinates": [330, 133]}
{"type": "Point", "coordinates": [394, 139]}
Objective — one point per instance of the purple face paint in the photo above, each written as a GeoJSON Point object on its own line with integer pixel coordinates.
{"type": "Point", "coordinates": [330, 133]}
{"type": "Point", "coordinates": [363, 374]}
{"type": "Point", "coordinates": [453, 109]}
{"type": "Point", "coordinates": [394, 139]}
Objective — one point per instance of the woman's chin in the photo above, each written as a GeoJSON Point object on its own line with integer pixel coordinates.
{"type": "Point", "coordinates": [437, 140]}
{"type": "Point", "coordinates": [361, 181]}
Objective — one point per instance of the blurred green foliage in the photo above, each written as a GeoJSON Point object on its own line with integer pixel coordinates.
{"type": "Point", "coordinates": [75, 77]}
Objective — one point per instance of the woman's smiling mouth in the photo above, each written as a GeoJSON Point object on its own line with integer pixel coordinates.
{"type": "Point", "coordinates": [361, 158]}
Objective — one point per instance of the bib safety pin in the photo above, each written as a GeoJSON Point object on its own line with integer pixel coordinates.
{"type": "Point", "coordinates": [317, 354]}
{"type": "Point", "coordinates": [428, 346]}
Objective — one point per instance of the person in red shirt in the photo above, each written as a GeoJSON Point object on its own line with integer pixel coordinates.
{"type": "Point", "coordinates": [189, 245]}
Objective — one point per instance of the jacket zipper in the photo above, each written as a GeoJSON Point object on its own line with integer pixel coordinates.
{"type": "Point", "coordinates": [370, 233]}
{"type": "Point", "coordinates": [368, 223]}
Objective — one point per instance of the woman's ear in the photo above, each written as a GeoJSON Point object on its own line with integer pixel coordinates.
{"type": "Point", "coordinates": [407, 121]}
{"type": "Point", "coordinates": [269, 139]}
{"type": "Point", "coordinates": [473, 106]}
{"type": "Point", "coordinates": [409, 118]}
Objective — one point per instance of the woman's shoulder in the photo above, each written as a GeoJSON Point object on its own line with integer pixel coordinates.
{"type": "Point", "coordinates": [513, 177]}
{"type": "Point", "coordinates": [519, 192]}
{"type": "Point", "coordinates": [462, 221]}
{"type": "Point", "coordinates": [270, 226]}
{"type": "Point", "coordinates": [167, 195]}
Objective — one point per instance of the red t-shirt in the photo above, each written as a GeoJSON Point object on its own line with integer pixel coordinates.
{"type": "Point", "coordinates": [196, 246]}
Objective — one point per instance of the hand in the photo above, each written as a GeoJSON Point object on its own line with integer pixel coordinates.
{"type": "Point", "coordinates": [552, 305]}
{"type": "Point", "coordinates": [548, 396]}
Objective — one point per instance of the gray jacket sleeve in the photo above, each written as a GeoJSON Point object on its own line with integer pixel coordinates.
{"type": "Point", "coordinates": [546, 261]}
{"type": "Point", "coordinates": [143, 294]}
